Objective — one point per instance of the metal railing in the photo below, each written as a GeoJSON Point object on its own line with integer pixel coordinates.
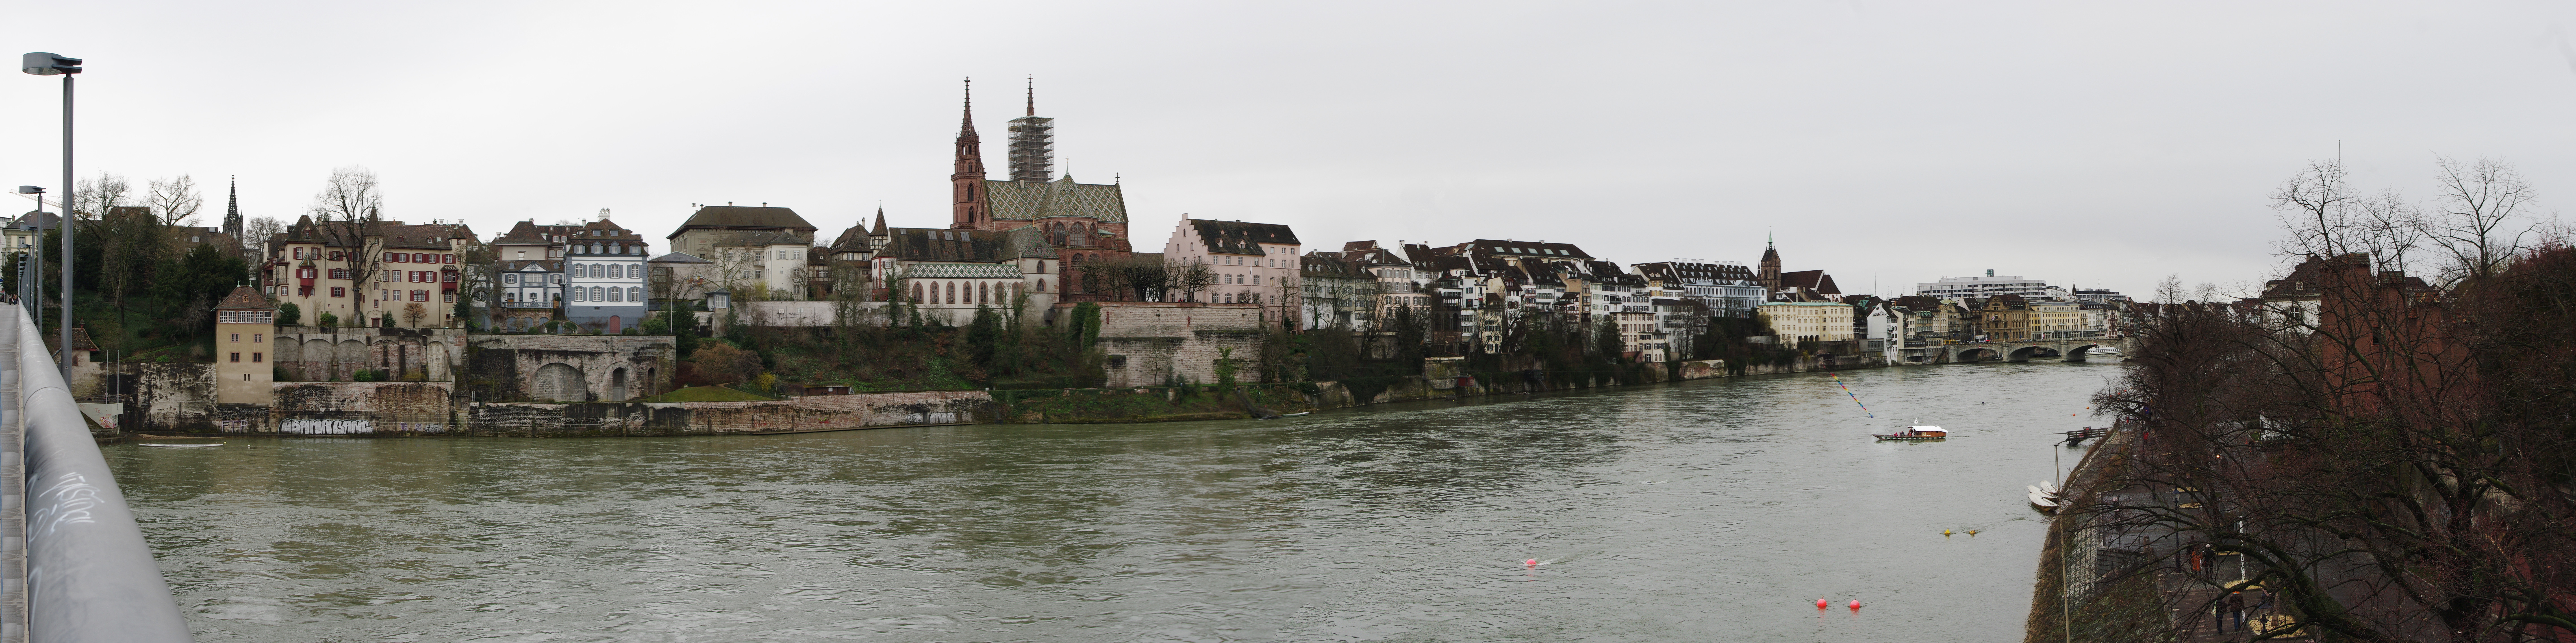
{"type": "Point", "coordinates": [82, 571]}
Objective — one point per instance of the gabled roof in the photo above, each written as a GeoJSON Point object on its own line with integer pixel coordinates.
{"type": "Point", "coordinates": [1373, 256]}
{"type": "Point", "coordinates": [677, 257]}
{"type": "Point", "coordinates": [1031, 200]}
{"type": "Point", "coordinates": [1239, 238]}
{"type": "Point", "coordinates": [855, 239]}
{"type": "Point", "coordinates": [245, 298]}
{"type": "Point", "coordinates": [1508, 248]}
{"type": "Point", "coordinates": [1325, 265]}
{"type": "Point", "coordinates": [1815, 280]}
{"type": "Point", "coordinates": [732, 217]}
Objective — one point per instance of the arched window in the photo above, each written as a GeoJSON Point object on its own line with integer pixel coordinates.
{"type": "Point", "coordinates": [616, 271]}
{"type": "Point", "coordinates": [635, 293]}
{"type": "Point", "coordinates": [952, 292]}
{"type": "Point", "coordinates": [617, 294]}
{"type": "Point", "coordinates": [1095, 258]}
{"type": "Point", "coordinates": [916, 293]}
{"type": "Point", "coordinates": [576, 294]}
{"type": "Point", "coordinates": [979, 292]}
{"type": "Point", "coordinates": [1042, 285]}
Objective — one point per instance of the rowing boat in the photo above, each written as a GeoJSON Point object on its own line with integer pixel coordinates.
{"type": "Point", "coordinates": [201, 444]}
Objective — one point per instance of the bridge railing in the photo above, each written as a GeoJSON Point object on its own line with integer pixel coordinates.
{"type": "Point", "coordinates": [89, 576]}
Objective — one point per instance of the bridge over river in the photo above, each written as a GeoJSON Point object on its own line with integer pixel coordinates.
{"type": "Point", "coordinates": [2072, 350]}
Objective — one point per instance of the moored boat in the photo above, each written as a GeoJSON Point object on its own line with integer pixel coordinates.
{"type": "Point", "coordinates": [1916, 433]}
{"type": "Point", "coordinates": [2044, 503]}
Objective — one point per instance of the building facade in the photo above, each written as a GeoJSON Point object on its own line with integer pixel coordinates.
{"type": "Point", "coordinates": [1253, 263]}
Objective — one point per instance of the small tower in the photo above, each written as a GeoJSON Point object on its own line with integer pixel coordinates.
{"type": "Point", "coordinates": [244, 322]}
{"type": "Point", "coordinates": [1770, 275]}
{"type": "Point", "coordinates": [877, 237]}
{"type": "Point", "coordinates": [968, 178]}
{"type": "Point", "coordinates": [1032, 143]}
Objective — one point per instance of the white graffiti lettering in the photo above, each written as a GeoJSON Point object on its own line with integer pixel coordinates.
{"type": "Point", "coordinates": [70, 498]}
{"type": "Point", "coordinates": [307, 426]}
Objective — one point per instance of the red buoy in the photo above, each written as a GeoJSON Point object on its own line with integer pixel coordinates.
{"type": "Point", "coordinates": [1855, 605]}
{"type": "Point", "coordinates": [1821, 602]}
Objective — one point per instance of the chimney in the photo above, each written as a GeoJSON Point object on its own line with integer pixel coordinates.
{"type": "Point", "coordinates": [603, 214]}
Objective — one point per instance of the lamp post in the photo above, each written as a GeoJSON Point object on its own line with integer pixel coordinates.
{"type": "Point", "coordinates": [31, 275]}
{"type": "Point", "coordinates": [47, 64]}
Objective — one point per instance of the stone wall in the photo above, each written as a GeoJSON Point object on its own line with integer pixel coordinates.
{"type": "Point", "coordinates": [1153, 343]}
{"type": "Point", "coordinates": [801, 413]}
{"type": "Point", "coordinates": [311, 354]}
{"type": "Point", "coordinates": [568, 368]}
{"type": "Point", "coordinates": [362, 407]}
{"type": "Point", "coordinates": [171, 396]}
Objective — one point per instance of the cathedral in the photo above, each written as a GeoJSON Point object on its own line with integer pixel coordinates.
{"type": "Point", "coordinates": [1085, 222]}
{"type": "Point", "coordinates": [1033, 233]}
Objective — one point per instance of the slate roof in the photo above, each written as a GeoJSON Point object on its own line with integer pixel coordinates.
{"type": "Point", "coordinates": [1373, 256]}
{"type": "Point", "coordinates": [1030, 200]}
{"type": "Point", "coordinates": [855, 239]}
{"type": "Point", "coordinates": [245, 298]}
{"type": "Point", "coordinates": [1239, 238]}
{"type": "Point", "coordinates": [978, 246]}
{"type": "Point", "coordinates": [1815, 280]}
{"type": "Point", "coordinates": [677, 257]}
{"type": "Point", "coordinates": [734, 217]}
{"type": "Point", "coordinates": [80, 338]}
{"type": "Point", "coordinates": [1322, 264]}
{"type": "Point", "coordinates": [1507, 248]}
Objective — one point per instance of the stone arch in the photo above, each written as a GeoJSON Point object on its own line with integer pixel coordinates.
{"type": "Point", "coordinates": [351, 351]}
{"type": "Point", "coordinates": [557, 382]}
{"type": "Point", "coordinates": [617, 384]}
{"type": "Point", "coordinates": [2077, 355]}
{"type": "Point", "coordinates": [2024, 353]}
{"type": "Point", "coordinates": [1976, 354]}
{"type": "Point", "coordinates": [287, 350]}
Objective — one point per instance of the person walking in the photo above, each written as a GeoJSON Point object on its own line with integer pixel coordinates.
{"type": "Point", "coordinates": [2233, 606]}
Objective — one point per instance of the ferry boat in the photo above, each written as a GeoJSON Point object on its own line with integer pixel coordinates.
{"type": "Point", "coordinates": [1916, 433]}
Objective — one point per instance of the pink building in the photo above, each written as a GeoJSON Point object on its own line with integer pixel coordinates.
{"type": "Point", "coordinates": [1254, 263]}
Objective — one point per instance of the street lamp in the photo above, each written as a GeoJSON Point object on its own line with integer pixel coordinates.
{"type": "Point", "coordinates": [31, 276]}
{"type": "Point", "coordinates": [47, 64]}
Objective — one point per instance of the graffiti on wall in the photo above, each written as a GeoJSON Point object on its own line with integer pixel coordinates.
{"type": "Point", "coordinates": [326, 427]}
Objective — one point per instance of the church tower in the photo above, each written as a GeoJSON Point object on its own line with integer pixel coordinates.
{"type": "Point", "coordinates": [971, 206]}
{"type": "Point", "coordinates": [1032, 143]}
{"type": "Point", "coordinates": [1770, 275]}
{"type": "Point", "coordinates": [232, 215]}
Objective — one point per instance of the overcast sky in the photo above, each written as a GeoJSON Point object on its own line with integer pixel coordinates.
{"type": "Point", "coordinates": [1888, 143]}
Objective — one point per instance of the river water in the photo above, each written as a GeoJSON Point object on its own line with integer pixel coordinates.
{"type": "Point", "coordinates": [1710, 510]}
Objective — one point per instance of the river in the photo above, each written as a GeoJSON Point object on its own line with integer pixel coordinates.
{"type": "Point", "coordinates": [1709, 510]}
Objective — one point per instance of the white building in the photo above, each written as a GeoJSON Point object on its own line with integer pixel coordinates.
{"type": "Point", "coordinates": [604, 277]}
{"type": "Point", "coordinates": [1988, 286]}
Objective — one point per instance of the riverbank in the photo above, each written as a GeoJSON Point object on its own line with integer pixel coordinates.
{"type": "Point", "coordinates": [1443, 379]}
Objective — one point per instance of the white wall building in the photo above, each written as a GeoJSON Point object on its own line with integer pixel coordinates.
{"type": "Point", "coordinates": [1987, 286]}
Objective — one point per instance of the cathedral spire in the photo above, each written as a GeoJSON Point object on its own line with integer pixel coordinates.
{"type": "Point", "coordinates": [232, 211]}
{"type": "Point", "coordinates": [1032, 142]}
{"type": "Point", "coordinates": [967, 180]}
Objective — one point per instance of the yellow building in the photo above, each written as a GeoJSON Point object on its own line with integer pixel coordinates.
{"type": "Point", "coordinates": [1797, 322]}
{"type": "Point", "coordinates": [244, 321]}
{"type": "Point", "coordinates": [2056, 319]}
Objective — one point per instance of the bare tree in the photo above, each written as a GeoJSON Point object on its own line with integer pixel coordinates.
{"type": "Point", "coordinates": [96, 194]}
{"type": "Point", "coordinates": [256, 231]}
{"type": "Point", "coordinates": [2316, 208]}
{"type": "Point", "coordinates": [1189, 280]}
{"type": "Point", "coordinates": [347, 211]}
{"type": "Point", "coordinates": [2479, 222]}
{"type": "Point", "coordinates": [176, 199]}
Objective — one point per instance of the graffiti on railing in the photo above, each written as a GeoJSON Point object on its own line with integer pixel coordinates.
{"type": "Point", "coordinates": [70, 499]}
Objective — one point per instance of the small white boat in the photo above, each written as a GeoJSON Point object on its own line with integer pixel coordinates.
{"type": "Point", "coordinates": [1296, 414]}
{"type": "Point", "coordinates": [2045, 503]}
{"type": "Point", "coordinates": [198, 444]}
{"type": "Point", "coordinates": [2048, 487]}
